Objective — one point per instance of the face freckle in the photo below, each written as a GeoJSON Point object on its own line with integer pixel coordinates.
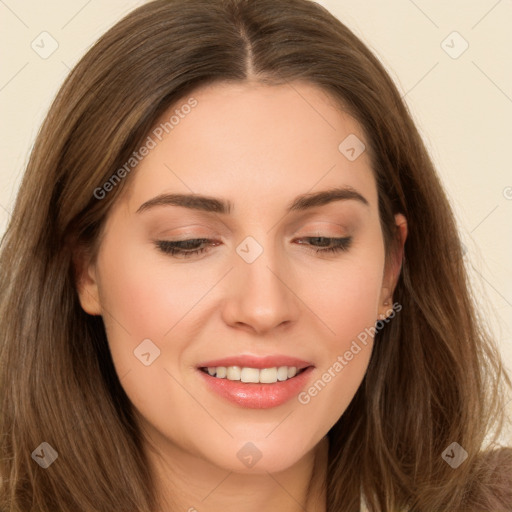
{"type": "Point", "coordinates": [259, 288]}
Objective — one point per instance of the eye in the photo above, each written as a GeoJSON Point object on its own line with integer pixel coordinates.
{"type": "Point", "coordinates": [196, 246]}
{"type": "Point", "coordinates": [336, 244]}
{"type": "Point", "coordinates": [184, 248]}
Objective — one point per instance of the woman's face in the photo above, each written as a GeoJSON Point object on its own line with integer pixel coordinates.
{"type": "Point", "coordinates": [259, 303]}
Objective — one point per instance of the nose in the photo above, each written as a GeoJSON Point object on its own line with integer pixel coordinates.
{"type": "Point", "coordinates": [261, 295]}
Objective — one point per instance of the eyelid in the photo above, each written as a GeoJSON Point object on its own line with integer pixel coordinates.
{"type": "Point", "coordinates": [324, 226]}
{"type": "Point", "coordinates": [336, 246]}
{"type": "Point", "coordinates": [188, 230]}
{"type": "Point", "coordinates": [217, 227]}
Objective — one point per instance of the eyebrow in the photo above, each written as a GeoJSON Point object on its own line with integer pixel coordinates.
{"type": "Point", "coordinates": [215, 205]}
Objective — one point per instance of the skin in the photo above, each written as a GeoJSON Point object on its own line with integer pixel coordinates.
{"type": "Point", "coordinates": [259, 147]}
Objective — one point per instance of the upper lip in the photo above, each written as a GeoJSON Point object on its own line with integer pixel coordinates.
{"type": "Point", "coordinates": [248, 361]}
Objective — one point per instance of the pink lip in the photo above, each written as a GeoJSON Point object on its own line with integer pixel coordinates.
{"type": "Point", "coordinates": [245, 361]}
{"type": "Point", "coordinates": [257, 396]}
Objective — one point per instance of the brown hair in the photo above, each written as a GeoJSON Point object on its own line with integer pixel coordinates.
{"type": "Point", "coordinates": [435, 376]}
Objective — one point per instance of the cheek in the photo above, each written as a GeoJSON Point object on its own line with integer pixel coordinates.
{"type": "Point", "coordinates": [144, 294]}
{"type": "Point", "coordinates": [143, 301]}
{"type": "Point", "coordinates": [347, 304]}
{"type": "Point", "coordinates": [345, 298]}
{"type": "Point", "coordinates": [338, 377]}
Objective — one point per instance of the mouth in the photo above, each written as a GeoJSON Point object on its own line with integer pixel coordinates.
{"type": "Point", "coordinates": [256, 382]}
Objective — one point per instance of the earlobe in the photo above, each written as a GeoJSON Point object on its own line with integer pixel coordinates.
{"type": "Point", "coordinates": [87, 285]}
{"type": "Point", "coordinates": [385, 303]}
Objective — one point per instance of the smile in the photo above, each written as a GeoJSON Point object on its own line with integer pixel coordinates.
{"type": "Point", "coordinates": [253, 375]}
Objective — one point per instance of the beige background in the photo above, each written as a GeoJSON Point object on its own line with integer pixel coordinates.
{"type": "Point", "coordinates": [462, 105]}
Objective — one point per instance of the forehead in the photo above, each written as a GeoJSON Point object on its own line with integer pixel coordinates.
{"type": "Point", "coordinates": [259, 141]}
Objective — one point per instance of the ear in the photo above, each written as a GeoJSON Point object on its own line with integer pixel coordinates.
{"type": "Point", "coordinates": [87, 282]}
{"type": "Point", "coordinates": [393, 267]}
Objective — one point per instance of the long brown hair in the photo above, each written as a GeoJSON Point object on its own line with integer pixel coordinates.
{"type": "Point", "coordinates": [435, 376]}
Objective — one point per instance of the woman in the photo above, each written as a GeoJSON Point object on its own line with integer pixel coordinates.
{"type": "Point", "coordinates": [232, 278]}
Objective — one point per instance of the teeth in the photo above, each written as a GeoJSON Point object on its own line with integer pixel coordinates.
{"type": "Point", "coordinates": [282, 373]}
{"type": "Point", "coordinates": [253, 375]}
{"type": "Point", "coordinates": [249, 375]}
{"type": "Point", "coordinates": [270, 375]}
{"type": "Point", "coordinates": [234, 372]}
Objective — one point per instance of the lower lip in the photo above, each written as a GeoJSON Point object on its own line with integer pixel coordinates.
{"type": "Point", "coordinates": [258, 396]}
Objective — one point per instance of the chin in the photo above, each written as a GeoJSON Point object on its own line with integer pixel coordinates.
{"type": "Point", "coordinates": [259, 456]}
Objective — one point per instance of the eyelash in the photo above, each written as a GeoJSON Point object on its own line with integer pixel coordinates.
{"type": "Point", "coordinates": [174, 249]}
